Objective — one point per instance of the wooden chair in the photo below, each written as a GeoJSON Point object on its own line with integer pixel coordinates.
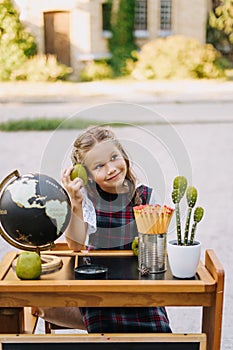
{"type": "Point", "coordinates": [51, 327]}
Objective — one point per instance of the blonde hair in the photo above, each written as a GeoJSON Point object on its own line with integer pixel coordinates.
{"type": "Point", "coordinates": [96, 134]}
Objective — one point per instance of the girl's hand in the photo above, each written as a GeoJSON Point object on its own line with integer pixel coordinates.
{"type": "Point", "coordinates": [73, 187]}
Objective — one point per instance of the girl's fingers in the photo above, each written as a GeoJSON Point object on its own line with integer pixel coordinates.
{"type": "Point", "coordinates": [67, 180]}
{"type": "Point", "coordinates": [78, 181]}
{"type": "Point", "coordinates": [66, 175]}
{"type": "Point", "coordinates": [73, 187]}
{"type": "Point", "coordinates": [67, 171]}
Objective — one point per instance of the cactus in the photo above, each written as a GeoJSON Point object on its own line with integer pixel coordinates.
{"type": "Point", "coordinates": [179, 188]}
{"type": "Point", "coordinates": [191, 196]}
{"type": "Point", "coordinates": [198, 215]}
{"type": "Point", "coordinates": [180, 184]}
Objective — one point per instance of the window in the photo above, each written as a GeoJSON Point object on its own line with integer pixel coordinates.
{"type": "Point", "coordinates": [140, 15]}
{"type": "Point", "coordinates": [106, 16]}
{"type": "Point", "coordinates": [165, 15]}
{"type": "Point", "coordinates": [140, 20]}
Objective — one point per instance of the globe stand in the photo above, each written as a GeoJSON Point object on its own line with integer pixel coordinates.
{"type": "Point", "coordinates": [50, 263]}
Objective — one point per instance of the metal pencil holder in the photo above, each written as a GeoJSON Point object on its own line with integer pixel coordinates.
{"type": "Point", "coordinates": [152, 252]}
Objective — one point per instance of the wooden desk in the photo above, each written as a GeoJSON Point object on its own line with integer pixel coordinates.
{"type": "Point", "coordinates": [206, 291]}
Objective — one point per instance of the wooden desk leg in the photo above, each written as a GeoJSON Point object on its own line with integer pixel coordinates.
{"type": "Point", "coordinates": [12, 320]}
{"type": "Point", "coordinates": [212, 316]}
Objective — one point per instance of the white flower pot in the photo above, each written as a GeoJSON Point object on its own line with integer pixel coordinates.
{"type": "Point", "coordinates": [183, 260]}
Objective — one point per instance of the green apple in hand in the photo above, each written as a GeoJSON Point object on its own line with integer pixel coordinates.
{"type": "Point", "coordinates": [135, 246]}
{"type": "Point", "coordinates": [79, 171]}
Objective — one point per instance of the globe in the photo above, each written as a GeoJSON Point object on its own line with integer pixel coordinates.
{"type": "Point", "coordinates": [34, 210]}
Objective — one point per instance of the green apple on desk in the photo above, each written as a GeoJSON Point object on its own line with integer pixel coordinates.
{"type": "Point", "coordinates": [28, 266]}
{"type": "Point", "coordinates": [135, 246]}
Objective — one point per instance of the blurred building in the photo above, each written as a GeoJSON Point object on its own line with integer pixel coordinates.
{"type": "Point", "coordinates": [78, 30]}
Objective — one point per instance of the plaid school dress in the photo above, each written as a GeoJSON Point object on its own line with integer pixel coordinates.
{"type": "Point", "coordinates": [116, 229]}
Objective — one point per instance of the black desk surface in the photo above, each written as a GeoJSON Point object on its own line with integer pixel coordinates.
{"type": "Point", "coordinates": [119, 268]}
{"type": "Point", "coordinates": [125, 268]}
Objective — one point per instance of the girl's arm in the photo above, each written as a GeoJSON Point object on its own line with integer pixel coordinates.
{"type": "Point", "coordinates": [76, 231]}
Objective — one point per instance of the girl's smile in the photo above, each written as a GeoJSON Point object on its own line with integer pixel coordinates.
{"type": "Point", "coordinates": [113, 177]}
{"type": "Point", "coordinates": [107, 167]}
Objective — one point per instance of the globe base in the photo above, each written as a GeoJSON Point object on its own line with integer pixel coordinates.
{"type": "Point", "coordinates": [50, 263]}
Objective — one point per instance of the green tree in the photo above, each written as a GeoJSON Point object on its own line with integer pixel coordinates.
{"type": "Point", "coordinates": [16, 43]}
{"type": "Point", "coordinates": [122, 42]}
{"type": "Point", "coordinates": [220, 27]}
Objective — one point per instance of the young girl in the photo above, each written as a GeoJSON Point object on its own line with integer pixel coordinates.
{"type": "Point", "coordinates": [113, 192]}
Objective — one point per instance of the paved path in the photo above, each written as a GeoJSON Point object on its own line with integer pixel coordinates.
{"type": "Point", "coordinates": [201, 151]}
{"type": "Point", "coordinates": [153, 90]}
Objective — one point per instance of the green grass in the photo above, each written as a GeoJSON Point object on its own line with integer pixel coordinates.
{"type": "Point", "coordinates": [44, 124]}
